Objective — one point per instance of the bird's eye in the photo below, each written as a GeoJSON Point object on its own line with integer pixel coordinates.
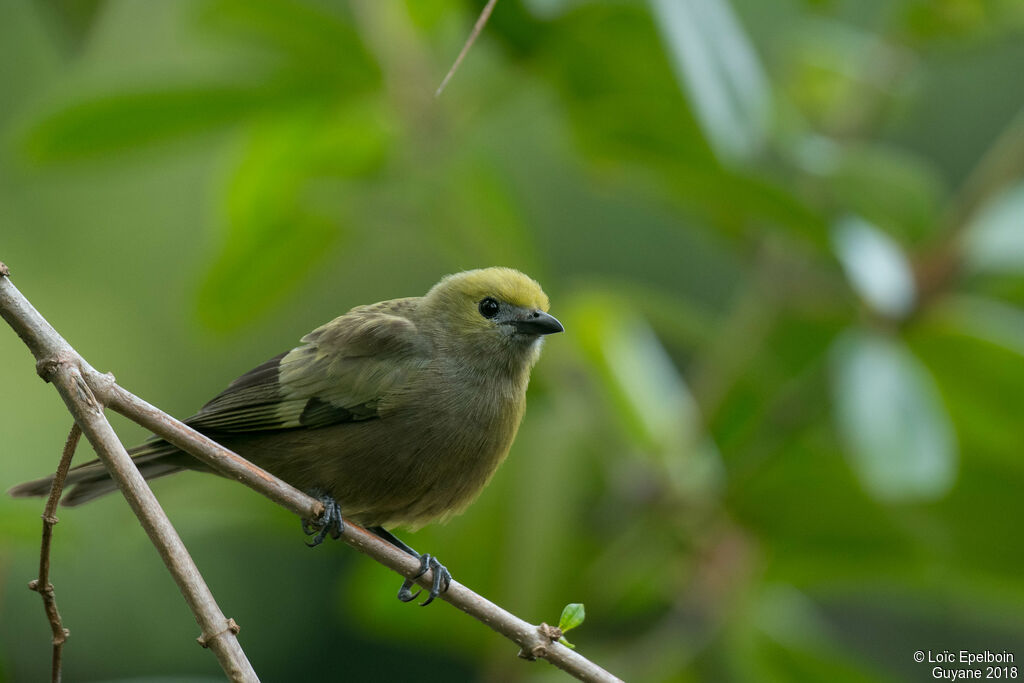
{"type": "Point", "coordinates": [488, 307]}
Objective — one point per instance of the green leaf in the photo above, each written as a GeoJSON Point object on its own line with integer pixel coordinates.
{"type": "Point", "coordinates": [625, 107]}
{"type": "Point", "coordinates": [988, 319]}
{"type": "Point", "coordinates": [891, 188]}
{"type": "Point", "coordinates": [565, 642]}
{"type": "Point", "coordinates": [650, 394]}
{"type": "Point", "coordinates": [319, 59]}
{"type": "Point", "coordinates": [623, 102]}
{"type": "Point", "coordinates": [316, 42]}
{"type": "Point", "coordinates": [995, 238]}
{"type": "Point", "coordinates": [875, 266]}
{"type": "Point", "coordinates": [720, 71]}
{"type": "Point", "coordinates": [900, 439]}
{"type": "Point", "coordinates": [283, 206]}
{"type": "Point", "coordinates": [101, 123]}
{"type": "Point", "coordinates": [573, 615]}
{"type": "Point", "coordinates": [262, 264]}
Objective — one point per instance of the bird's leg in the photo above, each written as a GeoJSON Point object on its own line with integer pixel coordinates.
{"type": "Point", "coordinates": [330, 522]}
{"type": "Point", "coordinates": [427, 562]}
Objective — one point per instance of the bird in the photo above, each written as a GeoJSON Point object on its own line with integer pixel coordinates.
{"type": "Point", "coordinates": [395, 414]}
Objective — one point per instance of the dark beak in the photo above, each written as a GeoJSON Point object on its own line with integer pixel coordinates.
{"type": "Point", "coordinates": [538, 322]}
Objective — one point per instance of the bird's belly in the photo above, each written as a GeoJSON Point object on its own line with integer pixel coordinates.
{"type": "Point", "coordinates": [400, 470]}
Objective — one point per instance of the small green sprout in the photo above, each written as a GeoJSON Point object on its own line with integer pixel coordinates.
{"type": "Point", "coordinates": [572, 616]}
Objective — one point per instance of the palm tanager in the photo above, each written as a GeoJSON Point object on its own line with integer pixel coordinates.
{"type": "Point", "coordinates": [396, 414]}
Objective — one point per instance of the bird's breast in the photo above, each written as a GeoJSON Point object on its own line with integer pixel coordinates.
{"type": "Point", "coordinates": [462, 427]}
{"type": "Point", "coordinates": [431, 452]}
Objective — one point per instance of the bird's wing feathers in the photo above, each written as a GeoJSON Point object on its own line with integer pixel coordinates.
{"type": "Point", "coordinates": [341, 373]}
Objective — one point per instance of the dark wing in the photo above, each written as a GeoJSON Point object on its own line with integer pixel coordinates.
{"type": "Point", "coordinates": [340, 373]}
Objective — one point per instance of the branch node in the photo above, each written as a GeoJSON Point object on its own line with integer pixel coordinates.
{"type": "Point", "coordinates": [4, 270]}
{"type": "Point", "coordinates": [552, 633]}
{"type": "Point", "coordinates": [232, 626]}
{"type": "Point", "coordinates": [548, 634]}
{"type": "Point", "coordinates": [46, 367]}
{"type": "Point", "coordinates": [46, 591]}
{"type": "Point", "coordinates": [102, 382]}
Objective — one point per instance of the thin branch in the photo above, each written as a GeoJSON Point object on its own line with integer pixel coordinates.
{"type": "Point", "coordinates": [42, 585]}
{"type": "Point", "coordinates": [58, 363]}
{"type": "Point", "coordinates": [481, 21]}
{"type": "Point", "coordinates": [85, 390]}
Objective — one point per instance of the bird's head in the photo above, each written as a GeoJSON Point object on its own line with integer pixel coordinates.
{"type": "Point", "coordinates": [493, 310]}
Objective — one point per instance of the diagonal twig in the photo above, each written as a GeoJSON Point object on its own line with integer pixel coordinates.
{"type": "Point", "coordinates": [481, 21]}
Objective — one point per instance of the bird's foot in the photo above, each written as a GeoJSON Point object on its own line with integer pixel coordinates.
{"type": "Point", "coordinates": [330, 522]}
{"type": "Point", "coordinates": [442, 579]}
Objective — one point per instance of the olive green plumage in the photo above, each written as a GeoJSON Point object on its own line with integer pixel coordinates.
{"type": "Point", "coordinates": [401, 410]}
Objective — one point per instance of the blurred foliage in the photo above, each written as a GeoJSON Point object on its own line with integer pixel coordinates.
{"type": "Point", "coordinates": [780, 438]}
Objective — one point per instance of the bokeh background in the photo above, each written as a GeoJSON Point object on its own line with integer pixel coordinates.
{"type": "Point", "coordinates": [781, 437]}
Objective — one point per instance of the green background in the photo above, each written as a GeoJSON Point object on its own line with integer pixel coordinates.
{"type": "Point", "coordinates": [781, 437]}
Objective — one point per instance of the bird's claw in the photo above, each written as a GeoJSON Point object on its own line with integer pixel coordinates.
{"type": "Point", "coordinates": [330, 522]}
{"type": "Point", "coordinates": [441, 579]}
{"type": "Point", "coordinates": [441, 576]}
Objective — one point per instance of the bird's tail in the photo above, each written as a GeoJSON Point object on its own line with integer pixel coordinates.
{"type": "Point", "coordinates": [91, 480]}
